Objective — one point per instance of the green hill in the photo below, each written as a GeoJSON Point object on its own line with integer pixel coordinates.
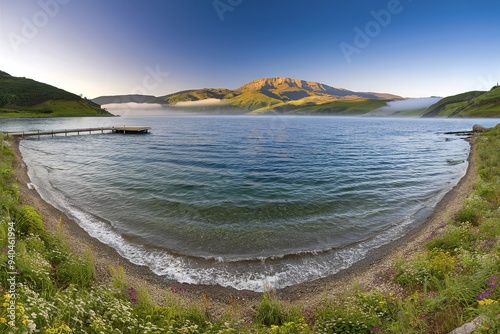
{"type": "Point", "coordinates": [22, 97]}
{"type": "Point", "coordinates": [197, 94]}
{"type": "Point", "coordinates": [339, 108]}
{"type": "Point", "coordinates": [468, 104]}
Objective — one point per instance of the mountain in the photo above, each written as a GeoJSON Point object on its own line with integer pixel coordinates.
{"type": "Point", "coordinates": [273, 95]}
{"type": "Point", "coordinates": [468, 104]}
{"type": "Point", "coordinates": [292, 89]}
{"type": "Point", "coordinates": [22, 97]}
{"type": "Point", "coordinates": [137, 98]}
{"type": "Point", "coordinates": [287, 95]}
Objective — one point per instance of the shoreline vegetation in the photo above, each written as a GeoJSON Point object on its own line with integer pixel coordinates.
{"type": "Point", "coordinates": [55, 278]}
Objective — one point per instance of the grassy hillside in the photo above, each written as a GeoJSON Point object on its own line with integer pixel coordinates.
{"type": "Point", "coordinates": [469, 104]}
{"type": "Point", "coordinates": [340, 108]}
{"type": "Point", "coordinates": [22, 97]}
{"type": "Point", "coordinates": [253, 100]}
{"type": "Point", "coordinates": [198, 94]}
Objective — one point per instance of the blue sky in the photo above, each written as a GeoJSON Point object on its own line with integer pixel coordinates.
{"type": "Point", "coordinates": [411, 48]}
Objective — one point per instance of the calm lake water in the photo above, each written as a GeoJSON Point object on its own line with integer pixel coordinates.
{"type": "Point", "coordinates": [247, 201]}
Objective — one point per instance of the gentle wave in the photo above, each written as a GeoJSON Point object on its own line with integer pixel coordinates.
{"type": "Point", "coordinates": [241, 273]}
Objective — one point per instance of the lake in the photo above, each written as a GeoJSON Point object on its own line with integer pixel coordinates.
{"type": "Point", "coordinates": [244, 201]}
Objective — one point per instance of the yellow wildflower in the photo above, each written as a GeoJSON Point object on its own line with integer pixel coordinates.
{"type": "Point", "coordinates": [3, 320]}
{"type": "Point", "coordinates": [487, 301]}
{"type": "Point", "coordinates": [20, 308]}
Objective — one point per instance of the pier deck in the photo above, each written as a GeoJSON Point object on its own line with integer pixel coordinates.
{"type": "Point", "coordinates": [109, 129]}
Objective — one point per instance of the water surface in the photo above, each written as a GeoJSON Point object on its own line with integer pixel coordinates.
{"type": "Point", "coordinates": [244, 201]}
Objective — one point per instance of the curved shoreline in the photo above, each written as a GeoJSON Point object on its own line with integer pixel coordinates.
{"type": "Point", "coordinates": [369, 272]}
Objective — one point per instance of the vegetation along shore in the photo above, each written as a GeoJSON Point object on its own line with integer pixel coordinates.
{"type": "Point", "coordinates": [57, 279]}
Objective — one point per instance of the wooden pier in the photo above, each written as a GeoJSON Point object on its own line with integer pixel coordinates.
{"type": "Point", "coordinates": [109, 129]}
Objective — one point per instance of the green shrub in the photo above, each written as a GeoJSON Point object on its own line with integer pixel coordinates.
{"type": "Point", "coordinates": [453, 239]}
{"type": "Point", "coordinates": [490, 192]}
{"type": "Point", "coordinates": [426, 271]}
{"type": "Point", "coordinates": [76, 271]}
{"type": "Point", "coordinates": [35, 243]}
{"type": "Point", "coordinates": [356, 312]}
{"type": "Point", "coordinates": [468, 214]}
{"type": "Point", "coordinates": [118, 280]}
{"type": "Point", "coordinates": [408, 315]}
{"type": "Point", "coordinates": [270, 310]}
{"type": "Point", "coordinates": [34, 268]}
{"type": "Point", "coordinates": [28, 221]}
{"type": "Point", "coordinates": [291, 327]}
{"type": "Point", "coordinates": [490, 228]}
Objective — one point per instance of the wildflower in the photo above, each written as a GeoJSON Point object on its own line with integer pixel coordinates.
{"type": "Point", "coordinates": [32, 326]}
{"type": "Point", "coordinates": [376, 329]}
{"type": "Point", "coordinates": [132, 293]}
{"type": "Point", "coordinates": [487, 302]}
{"type": "Point", "coordinates": [3, 320]}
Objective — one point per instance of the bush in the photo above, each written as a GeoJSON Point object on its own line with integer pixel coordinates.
{"type": "Point", "coordinates": [468, 214]}
{"type": "Point", "coordinates": [29, 221]}
{"type": "Point", "coordinates": [356, 312]}
{"type": "Point", "coordinates": [426, 271]}
{"type": "Point", "coordinates": [270, 311]}
{"type": "Point", "coordinates": [76, 271]}
{"type": "Point", "coordinates": [454, 239]}
{"type": "Point", "coordinates": [34, 268]}
{"type": "Point", "coordinates": [490, 192]}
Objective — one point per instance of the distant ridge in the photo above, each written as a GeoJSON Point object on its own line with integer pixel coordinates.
{"type": "Point", "coordinates": [137, 98]}
{"type": "Point", "coordinates": [267, 95]}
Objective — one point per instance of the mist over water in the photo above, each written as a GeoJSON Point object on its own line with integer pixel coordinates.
{"type": "Point", "coordinates": [243, 201]}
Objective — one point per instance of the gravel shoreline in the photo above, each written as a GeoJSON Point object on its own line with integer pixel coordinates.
{"type": "Point", "coordinates": [371, 273]}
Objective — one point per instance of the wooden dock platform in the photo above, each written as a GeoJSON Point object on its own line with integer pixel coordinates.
{"type": "Point", "coordinates": [130, 129]}
{"type": "Point", "coordinates": [109, 129]}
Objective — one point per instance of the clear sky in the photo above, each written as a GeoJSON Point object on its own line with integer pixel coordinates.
{"type": "Point", "coordinates": [411, 48]}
